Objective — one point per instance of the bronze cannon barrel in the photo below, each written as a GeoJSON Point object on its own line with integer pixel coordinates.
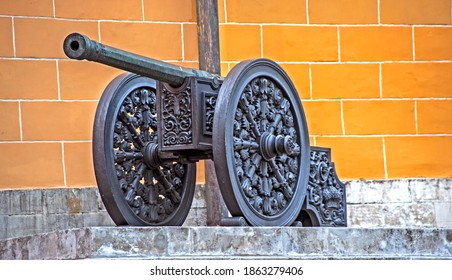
{"type": "Point", "coordinates": [78, 46]}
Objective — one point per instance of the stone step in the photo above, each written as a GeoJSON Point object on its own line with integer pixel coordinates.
{"type": "Point", "coordinates": [232, 243]}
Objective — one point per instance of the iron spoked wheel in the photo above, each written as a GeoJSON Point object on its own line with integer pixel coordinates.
{"type": "Point", "coordinates": [261, 144]}
{"type": "Point", "coordinates": [136, 187]}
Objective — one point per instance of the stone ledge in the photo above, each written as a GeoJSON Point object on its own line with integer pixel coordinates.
{"type": "Point", "coordinates": [402, 203]}
{"type": "Point", "coordinates": [416, 202]}
{"type": "Point", "coordinates": [232, 243]}
{"type": "Point", "coordinates": [28, 212]}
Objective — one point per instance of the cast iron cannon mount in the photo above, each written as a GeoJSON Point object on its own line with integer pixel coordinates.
{"type": "Point", "coordinates": [152, 125]}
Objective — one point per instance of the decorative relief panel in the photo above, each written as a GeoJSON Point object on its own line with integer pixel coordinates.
{"type": "Point", "coordinates": [209, 101]}
{"type": "Point", "coordinates": [177, 117]}
{"type": "Point", "coordinates": [325, 195]}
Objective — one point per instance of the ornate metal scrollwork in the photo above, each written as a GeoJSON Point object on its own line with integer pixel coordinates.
{"type": "Point", "coordinates": [209, 101]}
{"type": "Point", "coordinates": [153, 193]}
{"type": "Point", "coordinates": [325, 197]}
{"type": "Point", "coordinates": [177, 117]}
{"type": "Point", "coordinates": [266, 147]}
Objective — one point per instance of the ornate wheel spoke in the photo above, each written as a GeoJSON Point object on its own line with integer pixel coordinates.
{"type": "Point", "coordinates": [121, 156]}
{"type": "Point", "coordinates": [247, 112]}
{"type": "Point", "coordinates": [137, 190]}
{"type": "Point", "coordinates": [240, 144]}
{"type": "Point", "coordinates": [126, 120]}
{"type": "Point", "coordinates": [276, 171]}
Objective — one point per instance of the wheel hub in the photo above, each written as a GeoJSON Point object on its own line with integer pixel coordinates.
{"type": "Point", "coordinates": [270, 146]}
{"type": "Point", "coordinates": [151, 156]}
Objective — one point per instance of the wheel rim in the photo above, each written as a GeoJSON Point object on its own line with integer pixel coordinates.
{"type": "Point", "coordinates": [136, 188]}
{"type": "Point", "coordinates": [261, 144]}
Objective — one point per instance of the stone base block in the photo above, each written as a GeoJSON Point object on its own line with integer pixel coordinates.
{"type": "Point", "coordinates": [232, 243]}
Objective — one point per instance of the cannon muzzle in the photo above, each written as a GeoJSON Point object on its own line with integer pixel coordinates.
{"type": "Point", "coordinates": [78, 46]}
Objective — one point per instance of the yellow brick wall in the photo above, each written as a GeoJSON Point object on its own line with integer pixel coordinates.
{"type": "Point", "coordinates": [374, 77]}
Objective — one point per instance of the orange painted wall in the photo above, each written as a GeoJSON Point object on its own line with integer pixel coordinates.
{"type": "Point", "coordinates": [374, 77]}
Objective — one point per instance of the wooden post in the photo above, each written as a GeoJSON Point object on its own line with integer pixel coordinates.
{"type": "Point", "coordinates": [209, 60]}
{"type": "Point", "coordinates": [208, 38]}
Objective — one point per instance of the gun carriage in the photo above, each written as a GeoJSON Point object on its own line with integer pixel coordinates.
{"type": "Point", "coordinates": [153, 124]}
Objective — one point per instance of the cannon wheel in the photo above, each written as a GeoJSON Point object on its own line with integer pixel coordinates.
{"type": "Point", "coordinates": [136, 188]}
{"type": "Point", "coordinates": [261, 144]}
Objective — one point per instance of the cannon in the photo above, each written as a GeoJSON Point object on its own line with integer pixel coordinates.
{"type": "Point", "coordinates": [153, 124]}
